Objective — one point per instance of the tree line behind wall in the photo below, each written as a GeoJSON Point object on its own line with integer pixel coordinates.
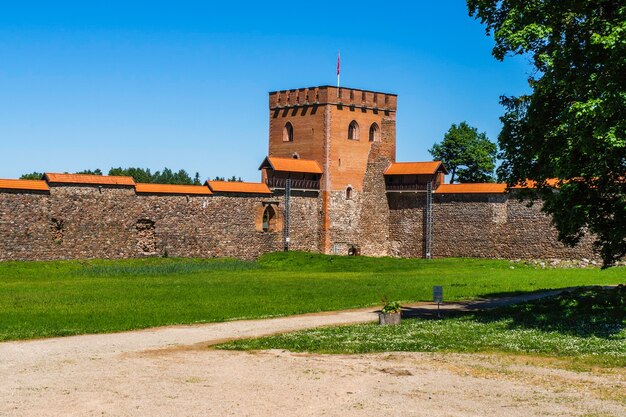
{"type": "Point", "coordinates": [141, 175]}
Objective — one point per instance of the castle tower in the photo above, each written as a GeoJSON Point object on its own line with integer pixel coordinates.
{"type": "Point", "coordinates": [340, 141]}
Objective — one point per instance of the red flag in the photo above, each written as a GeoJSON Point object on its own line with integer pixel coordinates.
{"type": "Point", "coordinates": [338, 63]}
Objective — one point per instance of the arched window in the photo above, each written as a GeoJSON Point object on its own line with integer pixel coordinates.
{"type": "Point", "coordinates": [269, 219]}
{"type": "Point", "coordinates": [349, 193]}
{"type": "Point", "coordinates": [353, 130]}
{"type": "Point", "coordinates": [374, 133]}
{"type": "Point", "coordinates": [288, 132]}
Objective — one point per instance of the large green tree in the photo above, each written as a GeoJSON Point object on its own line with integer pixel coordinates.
{"type": "Point", "coordinates": [468, 155]}
{"type": "Point", "coordinates": [572, 125]}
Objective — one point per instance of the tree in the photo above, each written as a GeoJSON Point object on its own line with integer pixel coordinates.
{"type": "Point", "coordinates": [468, 155]}
{"type": "Point", "coordinates": [32, 176]}
{"type": "Point", "coordinates": [138, 174]}
{"type": "Point", "coordinates": [39, 175]}
{"type": "Point", "coordinates": [96, 171]}
{"type": "Point", "coordinates": [230, 179]}
{"type": "Point", "coordinates": [167, 176]}
{"type": "Point", "coordinates": [572, 126]}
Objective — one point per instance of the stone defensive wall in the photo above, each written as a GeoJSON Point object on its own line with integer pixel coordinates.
{"type": "Point", "coordinates": [479, 221]}
{"type": "Point", "coordinates": [75, 216]}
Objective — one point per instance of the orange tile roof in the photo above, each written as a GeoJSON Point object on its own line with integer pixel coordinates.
{"type": "Point", "coordinates": [472, 188]}
{"type": "Point", "coordinates": [292, 165]}
{"type": "Point", "coordinates": [415, 168]}
{"type": "Point", "coordinates": [550, 182]}
{"type": "Point", "coordinates": [88, 179]}
{"type": "Point", "coordinates": [238, 187]}
{"type": "Point", "coordinates": [172, 189]}
{"type": "Point", "coordinates": [34, 185]}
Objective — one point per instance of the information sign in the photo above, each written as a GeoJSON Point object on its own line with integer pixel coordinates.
{"type": "Point", "coordinates": [438, 294]}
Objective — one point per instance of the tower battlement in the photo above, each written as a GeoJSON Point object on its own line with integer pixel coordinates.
{"type": "Point", "coordinates": [365, 99]}
{"type": "Point", "coordinates": [337, 127]}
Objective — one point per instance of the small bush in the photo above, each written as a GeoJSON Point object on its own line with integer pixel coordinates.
{"type": "Point", "coordinates": [392, 307]}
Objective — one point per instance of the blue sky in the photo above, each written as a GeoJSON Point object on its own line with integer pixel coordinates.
{"type": "Point", "coordinates": [184, 84]}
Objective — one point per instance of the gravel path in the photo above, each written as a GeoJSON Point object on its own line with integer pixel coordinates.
{"type": "Point", "coordinates": [169, 371]}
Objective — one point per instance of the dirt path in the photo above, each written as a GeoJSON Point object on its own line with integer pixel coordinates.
{"type": "Point", "coordinates": [155, 372]}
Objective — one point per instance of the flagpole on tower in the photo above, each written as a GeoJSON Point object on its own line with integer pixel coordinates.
{"type": "Point", "coordinates": [338, 67]}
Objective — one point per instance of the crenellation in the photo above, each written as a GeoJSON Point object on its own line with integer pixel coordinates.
{"type": "Point", "coordinates": [323, 95]}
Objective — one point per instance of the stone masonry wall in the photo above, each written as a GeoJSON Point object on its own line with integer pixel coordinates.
{"type": "Point", "coordinates": [26, 226]}
{"type": "Point", "coordinates": [467, 225]}
{"type": "Point", "coordinates": [90, 222]}
{"type": "Point", "coordinates": [529, 234]}
{"type": "Point", "coordinates": [477, 225]}
{"type": "Point", "coordinates": [305, 220]}
{"type": "Point", "coordinates": [74, 222]}
{"type": "Point", "coordinates": [345, 221]}
{"type": "Point", "coordinates": [374, 219]}
{"type": "Point", "coordinates": [362, 221]}
{"type": "Point", "coordinates": [406, 224]}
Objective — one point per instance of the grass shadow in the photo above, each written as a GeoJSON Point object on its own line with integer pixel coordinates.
{"type": "Point", "coordinates": [582, 312]}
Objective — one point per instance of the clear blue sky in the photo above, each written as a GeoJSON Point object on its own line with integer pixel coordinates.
{"type": "Point", "coordinates": [184, 84]}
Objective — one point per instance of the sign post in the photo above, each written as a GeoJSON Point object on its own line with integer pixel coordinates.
{"type": "Point", "coordinates": [438, 297]}
{"type": "Point", "coordinates": [287, 210]}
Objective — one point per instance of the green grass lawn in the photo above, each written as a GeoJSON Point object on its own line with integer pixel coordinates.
{"type": "Point", "coordinates": [587, 325]}
{"type": "Point", "coordinates": [41, 299]}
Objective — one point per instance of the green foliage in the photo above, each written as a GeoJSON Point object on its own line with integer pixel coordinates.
{"type": "Point", "coordinates": [587, 324]}
{"type": "Point", "coordinates": [32, 176]}
{"type": "Point", "coordinates": [139, 174]}
{"type": "Point", "coordinates": [96, 171]}
{"type": "Point", "coordinates": [231, 179]}
{"type": "Point", "coordinates": [391, 307]}
{"type": "Point", "coordinates": [167, 176]}
{"type": "Point", "coordinates": [41, 299]}
{"type": "Point", "coordinates": [468, 155]}
{"type": "Point", "coordinates": [573, 124]}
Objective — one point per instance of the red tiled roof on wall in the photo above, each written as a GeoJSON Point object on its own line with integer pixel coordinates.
{"type": "Point", "coordinates": [472, 188]}
{"type": "Point", "coordinates": [415, 168]}
{"type": "Point", "coordinates": [306, 166]}
{"type": "Point", "coordinates": [172, 189]}
{"type": "Point", "coordinates": [550, 182]}
{"type": "Point", "coordinates": [238, 187]}
{"type": "Point", "coordinates": [32, 185]}
{"type": "Point", "coordinates": [88, 179]}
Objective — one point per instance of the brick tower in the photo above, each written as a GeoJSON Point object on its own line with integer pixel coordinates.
{"type": "Point", "coordinates": [351, 135]}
